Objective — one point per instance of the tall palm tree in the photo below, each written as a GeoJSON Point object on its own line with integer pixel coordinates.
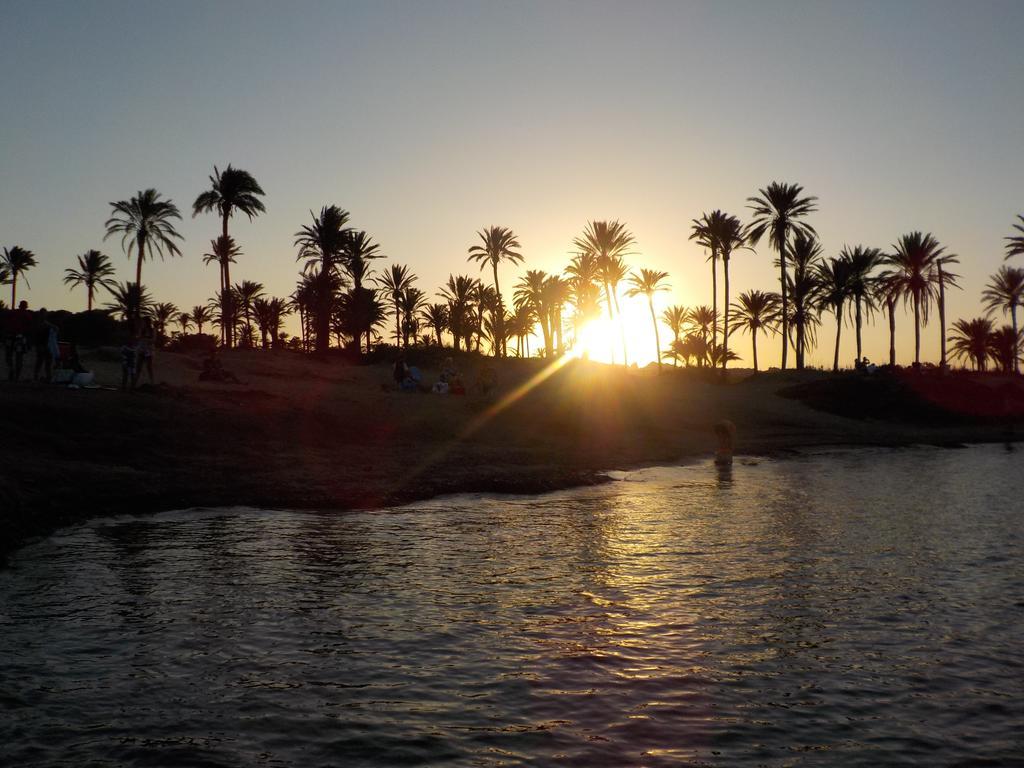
{"type": "Point", "coordinates": [435, 317]}
{"type": "Point", "coordinates": [942, 279]}
{"type": "Point", "coordinates": [1004, 347]}
{"type": "Point", "coordinates": [246, 292]}
{"type": "Point", "coordinates": [1005, 292]}
{"type": "Point", "coordinates": [394, 282]}
{"type": "Point", "coordinates": [130, 301]}
{"type": "Point", "coordinates": [1015, 243]}
{"type": "Point", "coordinates": [94, 268]}
{"type": "Point", "coordinates": [322, 244]}
{"type": "Point", "coordinates": [458, 293]}
{"type": "Point", "coordinates": [184, 322]}
{"type": "Point", "coordinates": [702, 319]}
{"type": "Point", "coordinates": [911, 274]}
{"type": "Point", "coordinates": [756, 311]}
{"type": "Point", "coordinates": [863, 262]}
{"type": "Point", "coordinates": [803, 286]}
{"type": "Point", "coordinates": [411, 301]}
{"type": "Point", "coordinates": [359, 250]}
{"type": "Point", "coordinates": [557, 293]}
{"type": "Point", "coordinates": [161, 314]}
{"type": "Point", "coordinates": [584, 289]}
{"type": "Point", "coordinates": [647, 283]}
{"type": "Point", "coordinates": [530, 294]}
{"type": "Point", "coordinates": [223, 251]}
{"type": "Point", "coordinates": [834, 288]}
{"type": "Point", "coordinates": [499, 244]}
{"type": "Point", "coordinates": [675, 317]}
{"type": "Point", "coordinates": [703, 231]}
{"type": "Point", "coordinates": [230, 191]}
{"type": "Point", "coordinates": [778, 209]}
{"type": "Point", "coordinates": [201, 315]}
{"type": "Point", "coordinates": [521, 326]}
{"type": "Point", "coordinates": [17, 261]}
{"type": "Point", "coordinates": [608, 242]}
{"type": "Point", "coordinates": [730, 236]}
{"type": "Point", "coordinates": [145, 223]}
{"type": "Point", "coordinates": [971, 339]}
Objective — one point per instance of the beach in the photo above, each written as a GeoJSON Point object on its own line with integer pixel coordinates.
{"type": "Point", "coordinates": [303, 433]}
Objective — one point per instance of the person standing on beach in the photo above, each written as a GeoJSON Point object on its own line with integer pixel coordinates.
{"type": "Point", "coordinates": [144, 350]}
{"type": "Point", "coordinates": [18, 326]}
{"type": "Point", "coordinates": [44, 339]}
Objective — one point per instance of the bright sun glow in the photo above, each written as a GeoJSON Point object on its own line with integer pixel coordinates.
{"type": "Point", "coordinates": [601, 339]}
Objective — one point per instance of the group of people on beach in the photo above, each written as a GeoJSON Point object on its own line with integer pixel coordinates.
{"type": "Point", "coordinates": [24, 330]}
{"type": "Point", "coordinates": [409, 378]}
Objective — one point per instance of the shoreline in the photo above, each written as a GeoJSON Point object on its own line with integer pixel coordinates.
{"type": "Point", "coordinates": [301, 434]}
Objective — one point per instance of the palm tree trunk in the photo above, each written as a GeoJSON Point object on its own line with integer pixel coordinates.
{"type": "Point", "coordinates": [839, 330]}
{"type": "Point", "coordinates": [499, 315]}
{"type": "Point", "coordinates": [725, 330]}
{"type": "Point", "coordinates": [892, 331]}
{"type": "Point", "coordinates": [657, 337]}
{"type": "Point", "coordinates": [781, 244]}
{"type": "Point", "coordinates": [138, 279]}
{"type": "Point", "coordinates": [398, 322]}
{"type": "Point", "coordinates": [1016, 350]}
{"type": "Point", "coordinates": [611, 317]}
{"type": "Point", "coordinates": [942, 319]}
{"type": "Point", "coordinates": [917, 329]}
{"type": "Point", "coordinates": [753, 338]}
{"type": "Point", "coordinates": [88, 306]}
{"type": "Point", "coordinates": [858, 323]}
{"type": "Point", "coordinates": [14, 290]}
{"type": "Point", "coordinates": [714, 297]}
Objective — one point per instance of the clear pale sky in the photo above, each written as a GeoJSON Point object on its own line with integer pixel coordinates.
{"type": "Point", "coordinates": [431, 120]}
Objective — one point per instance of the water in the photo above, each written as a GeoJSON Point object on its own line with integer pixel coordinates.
{"type": "Point", "coordinates": [851, 608]}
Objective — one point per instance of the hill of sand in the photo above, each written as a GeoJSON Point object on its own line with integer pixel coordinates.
{"type": "Point", "coordinates": [304, 433]}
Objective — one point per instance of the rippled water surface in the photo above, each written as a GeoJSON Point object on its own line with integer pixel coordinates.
{"type": "Point", "coordinates": [848, 608]}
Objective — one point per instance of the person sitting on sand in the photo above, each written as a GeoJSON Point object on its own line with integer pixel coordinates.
{"type": "Point", "coordinates": [129, 358]}
{"type": "Point", "coordinates": [725, 431]}
{"type": "Point", "coordinates": [80, 375]}
{"type": "Point", "coordinates": [400, 371]}
{"type": "Point", "coordinates": [213, 370]}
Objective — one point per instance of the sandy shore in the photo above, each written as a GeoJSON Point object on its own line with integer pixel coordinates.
{"type": "Point", "coordinates": [301, 433]}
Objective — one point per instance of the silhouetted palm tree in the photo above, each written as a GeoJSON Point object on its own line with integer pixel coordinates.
{"type": "Point", "coordinates": [608, 243]}
{"type": "Point", "coordinates": [970, 340]}
{"type": "Point", "coordinates": [887, 291]}
{"type": "Point", "coordinates": [485, 300]}
{"type": "Point", "coordinates": [359, 311]}
{"type": "Point", "coordinates": [702, 319]}
{"type": "Point", "coordinates": [129, 302]}
{"type": "Point", "coordinates": [521, 325]}
{"type": "Point", "coordinates": [246, 292]}
{"type": "Point", "coordinates": [94, 268]}
{"type": "Point", "coordinates": [435, 317]}
{"type": "Point", "coordinates": [756, 311]}
{"type": "Point", "coordinates": [394, 282]}
{"type": "Point", "coordinates": [499, 244]}
{"type": "Point", "coordinates": [647, 283]}
{"type": "Point", "coordinates": [728, 232]}
{"type": "Point", "coordinates": [584, 288]}
{"type": "Point", "coordinates": [803, 286]}
{"type": "Point", "coordinates": [675, 317]}
{"type": "Point", "coordinates": [145, 223]}
{"type": "Point", "coordinates": [943, 278]}
{"type": "Point", "coordinates": [703, 231]}
{"type": "Point", "coordinates": [357, 254]}
{"type": "Point", "coordinates": [411, 302]}
{"type": "Point", "coordinates": [184, 322]}
{"type": "Point", "coordinates": [234, 189]}
{"type": "Point", "coordinates": [1015, 243]}
{"type": "Point", "coordinates": [322, 244]}
{"type": "Point", "coordinates": [557, 293]}
{"type": "Point", "coordinates": [161, 314]}
{"type": "Point", "coordinates": [223, 251]}
{"type": "Point", "coordinates": [1005, 292]}
{"type": "Point", "coordinates": [911, 273]}
{"type": "Point", "coordinates": [458, 292]}
{"type": "Point", "coordinates": [530, 295]}
{"type": "Point", "coordinates": [777, 211]}
{"type": "Point", "coordinates": [863, 264]}
{"type": "Point", "coordinates": [1004, 347]}
{"type": "Point", "coordinates": [834, 278]}
{"type": "Point", "coordinates": [17, 261]}
{"type": "Point", "coordinates": [200, 316]}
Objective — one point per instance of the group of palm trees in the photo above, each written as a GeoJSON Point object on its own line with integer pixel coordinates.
{"type": "Point", "coordinates": [340, 298]}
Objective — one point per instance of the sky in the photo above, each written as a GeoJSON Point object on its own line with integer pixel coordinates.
{"type": "Point", "coordinates": [429, 121]}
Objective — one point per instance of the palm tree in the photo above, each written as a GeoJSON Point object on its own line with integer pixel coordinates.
{"type": "Point", "coordinates": [557, 293]}
{"type": "Point", "coordinates": [834, 288]}
{"type": "Point", "coordinates": [1005, 292]}
{"type": "Point", "coordinates": [1015, 243]}
{"type": "Point", "coordinates": [94, 268]}
{"type": "Point", "coordinates": [971, 339]}
{"type": "Point", "coordinates": [234, 189]}
{"type": "Point", "coordinates": [521, 326]}
{"type": "Point", "coordinates": [675, 317]}
{"type": "Point", "coordinates": [584, 290]}
{"type": "Point", "coordinates": [246, 292]}
{"type": "Point", "coordinates": [161, 314]}
{"type": "Point", "coordinates": [728, 233]}
{"type": "Point", "coordinates": [608, 243]}
{"type": "Point", "coordinates": [887, 291]}
{"type": "Point", "coordinates": [485, 300]}
{"type": "Point", "coordinates": [130, 301]}
{"type": "Point", "coordinates": [322, 244]}
{"type": "Point", "coordinates": [435, 317]}
{"type": "Point", "coordinates": [777, 211]}
{"type": "Point", "coordinates": [185, 321]}
{"type": "Point", "coordinates": [911, 274]}
{"type": "Point", "coordinates": [201, 315]}
{"type": "Point", "coordinates": [702, 319]}
{"type": "Point", "coordinates": [223, 251]}
{"type": "Point", "coordinates": [863, 262]}
{"type": "Point", "coordinates": [499, 244]}
{"type": "Point", "coordinates": [145, 223]}
{"type": "Point", "coordinates": [647, 283]}
{"type": "Point", "coordinates": [530, 295]}
{"type": "Point", "coordinates": [411, 301]}
{"type": "Point", "coordinates": [1004, 348]}
{"type": "Point", "coordinates": [358, 251]}
{"type": "Point", "coordinates": [458, 293]}
{"type": "Point", "coordinates": [17, 261]}
{"type": "Point", "coordinates": [702, 230]}
{"type": "Point", "coordinates": [943, 278]}
{"type": "Point", "coordinates": [803, 291]}
{"type": "Point", "coordinates": [756, 311]}
{"type": "Point", "coordinates": [394, 282]}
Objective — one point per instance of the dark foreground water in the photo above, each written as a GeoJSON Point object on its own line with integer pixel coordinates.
{"type": "Point", "coordinates": [851, 608]}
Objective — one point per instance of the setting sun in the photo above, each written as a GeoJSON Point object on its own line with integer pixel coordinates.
{"type": "Point", "coordinates": [600, 339]}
